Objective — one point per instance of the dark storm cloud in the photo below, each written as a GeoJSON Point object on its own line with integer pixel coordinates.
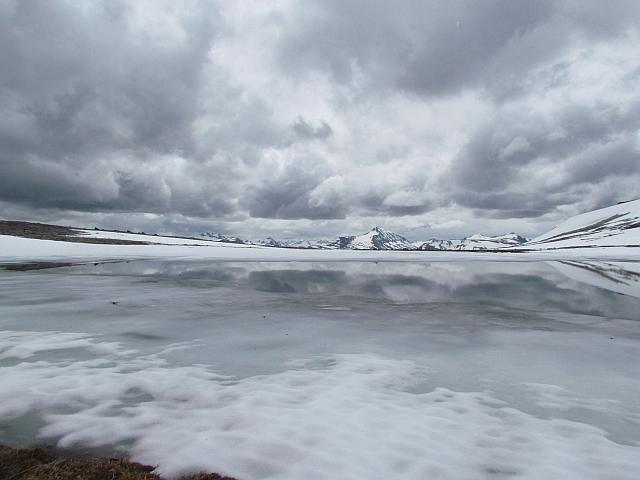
{"type": "Point", "coordinates": [375, 203]}
{"type": "Point", "coordinates": [304, 129]}
{"type": "Point", "coordinates": [285, 195]}
{"type": "Point", "coordinates": [458, 51]}
{"type": "Point", "coordinates": [318, 110]}
{"type": "Point", "coordinates": [438, 48]}
{"type": "Point", "coordinates": [493, 171]}
{"type": "Point", "coordinates": [85, 80]}
{"type": "Point", "coordinates": [93, 107]}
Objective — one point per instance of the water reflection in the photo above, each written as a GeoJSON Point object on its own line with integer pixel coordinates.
{"type": "Point", "coordinates": [620, 277]}
{"type": "Point", "coordinates": [288, 281]}
{"type": "Point", "coordinates": [586, 288]}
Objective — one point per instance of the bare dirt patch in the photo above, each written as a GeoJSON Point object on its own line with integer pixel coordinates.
{"type": "Point", "coordinates": [39, 464]}
{"type": "Point", "coordinates": [44, 231]}
{"type": "Point", "coordinates": [25, 267]}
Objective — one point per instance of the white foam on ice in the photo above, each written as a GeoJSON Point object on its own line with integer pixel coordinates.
{"type": "Point", "coordinates": [355, 416]}
{"type": "Point", "coordinates": [23, 345]}
{"type": "Point", "coordinates": [559, 398]}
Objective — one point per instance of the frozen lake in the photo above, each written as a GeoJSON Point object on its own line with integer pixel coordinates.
{"type": "Point", "coordinates": [348, 370]}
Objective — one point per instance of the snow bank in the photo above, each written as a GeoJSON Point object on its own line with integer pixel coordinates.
{"type": "Point", "coordinates": [28, 249]}
{"type": "Point", "coordinates": [347, 416]}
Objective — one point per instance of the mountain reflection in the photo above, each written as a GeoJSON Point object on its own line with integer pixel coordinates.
{"type": "Point", "coordinates": [608, 289]}
{"type": "Point", "coordinates": [619, 277]}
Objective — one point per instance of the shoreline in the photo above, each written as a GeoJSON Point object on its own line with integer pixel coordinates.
{"type": "Point", "coordinates": [46, 463]}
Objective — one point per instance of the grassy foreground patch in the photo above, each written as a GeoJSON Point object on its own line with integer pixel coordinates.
{"type": "Point", "coordinates": [38, 464]}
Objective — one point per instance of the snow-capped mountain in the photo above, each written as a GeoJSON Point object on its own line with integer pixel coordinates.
{"type": "Point", "coordinates": [380, 239]}
{"type": "Point", "coordinates": [618, 225]}
{"type": "Point", "coordinates": [221, 238]}
{"type": "Point", "coordinates": [474, 242]}
{"type": "Point", "coordinates": [376, 239]}
{"type": "Point", "coordinates": [314, 244]}
{"type": "Point", "coordinates": [269, 242]}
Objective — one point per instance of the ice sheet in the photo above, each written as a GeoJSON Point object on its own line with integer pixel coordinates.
{"type": "Point", "coordinates": [459, 370]}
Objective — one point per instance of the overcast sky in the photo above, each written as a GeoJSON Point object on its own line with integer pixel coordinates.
{"type": "Point", "coordinates": [316, 118]}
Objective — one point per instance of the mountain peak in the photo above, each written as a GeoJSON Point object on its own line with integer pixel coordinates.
{"type": "Point", "coordinates": [376, 239]}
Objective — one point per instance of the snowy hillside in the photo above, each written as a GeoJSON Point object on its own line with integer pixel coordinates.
{"type": "Point", "coordinates": [618, 225]}
{"type": "Point", "coordinates": [376, 239]}
{"type": "Point", "coordinates": [139, 237]}
{"type": "Point", "coordinates": [474, 242]}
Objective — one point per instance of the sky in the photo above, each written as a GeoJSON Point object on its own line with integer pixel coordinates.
{"type": "Point", "coordinates": [312, 119]}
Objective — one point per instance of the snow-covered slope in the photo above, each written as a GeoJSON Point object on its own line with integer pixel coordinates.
{"type": "Point", "coordinates": [376, 239]}
{"type": "Point", "coordinates": [474, 242]}
{"type": "Point", "coordinates": [141, 237]}
{"type": "Point", "coordinates": [618, 225]}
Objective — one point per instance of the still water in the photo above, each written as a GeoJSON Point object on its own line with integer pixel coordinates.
{"type": "Point", "coordinates": [330, 370]}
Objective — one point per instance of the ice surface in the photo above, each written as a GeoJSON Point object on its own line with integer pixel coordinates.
{"type": "Point", "coordinates": [464, 370]}
{"type": "Point", "coordinates": [26, 344]}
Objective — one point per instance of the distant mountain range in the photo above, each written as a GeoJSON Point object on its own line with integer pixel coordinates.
{"type": "Point", "coordinates": [615, 226]}
{"type": "Point", "coordinates": [380, 239]}
{"type": "Point", "coordinates": [316, 244]}
{"type": "Point", "coordinates": [618, 225]}
{"type": "Point", "coordinates": [216, 237]}
{"type": "Point", "coordinates": [474, 242]}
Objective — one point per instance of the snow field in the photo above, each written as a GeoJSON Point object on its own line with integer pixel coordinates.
{"type": "Point", "coordinates": [143, 238]}
{"type": "Point", "coordinates": [17, 249]}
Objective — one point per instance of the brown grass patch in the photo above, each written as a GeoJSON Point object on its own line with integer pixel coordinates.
{"type": "Point", "coordinates": [38, 464]}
